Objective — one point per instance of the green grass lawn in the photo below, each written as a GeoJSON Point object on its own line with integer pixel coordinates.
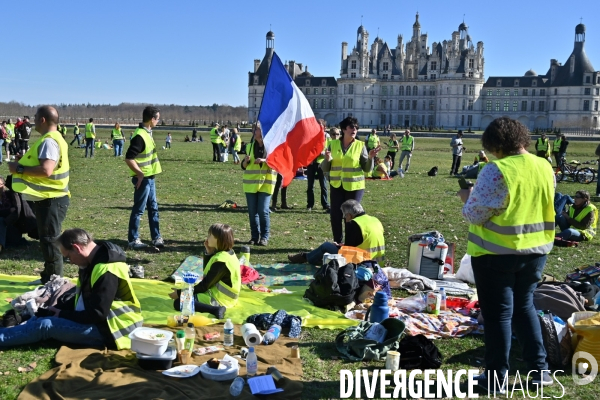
{"type": "Point", "coordinates": [189, 190]}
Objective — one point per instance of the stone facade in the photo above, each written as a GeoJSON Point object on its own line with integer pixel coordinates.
{"type": "Point", "coordinates": [443, 85]}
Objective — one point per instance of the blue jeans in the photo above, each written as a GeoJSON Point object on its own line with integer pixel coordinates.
{"type": "Point", "coordinates": [560, 201]}
{"type": "Point", "coordinates": [315, 257]}
{"type": "Point", "coordinates": [258, 212]}
{"type": "Point", "coordinates": [118, 146]}
{"type": "Point", "coordinates": [144, 198]}
{"type": "Point", "coordinates": [505, 286]}
{"type": "Point", "coordinates": [236, 158]}
{"type": "Point", "coordinates": [78, 138]}
{"type": "Point", "coordinates": [1, 144]}
{"type": "Point", "coordinates": [311, 171]}
{"type": "Point", "coordinates": [64, 330]}
{"type": "Point", "coordinates": [566, 232]}
{"type": "Point", "coordinates": [89, 144]}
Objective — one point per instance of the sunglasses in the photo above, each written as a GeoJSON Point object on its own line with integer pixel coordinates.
{"type": "Point", "coordinates": [579, 197]}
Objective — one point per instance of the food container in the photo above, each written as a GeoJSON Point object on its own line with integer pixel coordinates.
{"type": "Point", "coordinates": [228, 370]}
{"type": "Point", "coordinates": [163, 361]}
{"type": "Point", "coordinates": [150, 341]}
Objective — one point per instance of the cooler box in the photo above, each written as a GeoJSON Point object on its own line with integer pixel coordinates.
{"type": "Point", "coordinates": [425, 262]}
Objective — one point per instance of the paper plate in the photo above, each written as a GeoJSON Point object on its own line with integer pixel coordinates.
{"type": "Point", "coordinates": [182, 371]}
{"type": "Point", "coordinates": [223, 373]}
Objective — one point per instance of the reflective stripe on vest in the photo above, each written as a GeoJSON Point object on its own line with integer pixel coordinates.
{"type": "Point", "coordinates": [125, 315]}
{"type": "Point", "coordinates": [542, 145]}
{"type": "Point", "coordinates": [223, 294]}
{"type": "Point", "coordinates": [407, 143]}
{"type": "Point", "coordinates": [590, 232]}
{"type": "Point", "coordinates": [527, 224]}
{"type": "Point", "coordinates": [257, 177]}
{"type": "Point", "coordinates": [117, 134]}
{"type": "Point", "coordinates": [372, 232]}
{"type": "Point", "coordinates": [147, 162]}
{"type": "Point", "coordinates": [345, 168]}
{"type": "Point", "coordinates": [89, 131]}
{"type": "Point", "coordinates": [556, 145]}
{"type": "Point", "coordinates": [57, 184]}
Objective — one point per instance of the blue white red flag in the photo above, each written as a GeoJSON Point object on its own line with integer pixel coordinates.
{"type": "Point", "coordinates": [292, 136]}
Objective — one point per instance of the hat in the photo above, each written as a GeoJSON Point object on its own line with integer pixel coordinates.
{"type": "Point", "coordinates": [217, 124]}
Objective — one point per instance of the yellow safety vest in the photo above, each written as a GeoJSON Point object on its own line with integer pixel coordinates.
{"type": "Point", "coordinates": [556, 145]}
{"type": "Point", "coordinates": [75, 130]}
{"type": "Point", "coordinates": [590, 232]}
{"type": "Point", "coordinates": [345, 168]}
{"type": "Point", "coordinates": [148, 161]}
{"type": "Point", "coordinates": [238, 143]}
{"type": "Point", "coordinates": [407, 143]}
{"type": "Point", "coordinates": [372, 232]}
{"type": "Point", "coordinates": [373, 141]}
{"type": "Point", "coordinates": [378, 174]}
{"type": "Point", "coordinates": [542, 145]}
{"type": "Point", "coordinates": [117, 134]}
{"type": "Point", "coordinates": [392, 146]}
{"type": "Point", "coordinates": [527, 225]}
{"type": "Point", "coordinates": [57, 184]}
{"type": "Point", "coordinates": [215, 137]}
{"type": "Point", "coordinates": [225, 295]}
{"type": "Point", "coordinates": [89, 131]}
{"type": "Point", "coordinates": [125, 314]}
{"type": "Point", "coordinates": [257, 177]}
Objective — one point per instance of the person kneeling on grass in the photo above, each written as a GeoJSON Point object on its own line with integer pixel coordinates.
{"type": "Point", "coordinates": [105, 309]}
{"type": "Point", "coordinates": [222, 282]}
{"type": "Point", "coordinates": [580, 222]}
{"type": "Point", "coordinates": [362, 231]}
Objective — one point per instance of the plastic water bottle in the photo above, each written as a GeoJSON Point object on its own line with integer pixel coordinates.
{"type": "Point", "coordinates": [190, 337]}
{"type": "Point", "coordinates": [245, 253]}
{"type": "Point", "coordinates": [443, 306]}
{"type": "Point", "coordinates": [228, 333]}
{"type": "Point", "coordinates": [272, 334]}
{"type": "Point", "coordinates": [237, 386]}
{"type": "Point", "coordinates": [379, 310]}
{"type": "Point", "coordinates": [186, 300]}
{"type": "Point", "coordinates": [251, 363]}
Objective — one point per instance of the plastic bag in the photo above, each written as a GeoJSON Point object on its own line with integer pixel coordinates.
{"type": "Point", "coordinates": [465, 272]}
{"type": "Point", "coordinates": [415, 303]}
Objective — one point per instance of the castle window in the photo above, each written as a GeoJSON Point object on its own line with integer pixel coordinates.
{"type": "Point", "coordinates": [307, 91]}
{"type": "Point", "coordinates": [323, 82]}
{"type": "Point", "coordinates": [525, 92]}
{"type": "Point", "coordinates": [596, 105]}
{"type": "Point", "coordinates": [350, 103]}
{"type": "Point", "coordinates": [534, 83]}
{"type": "Point", "coordinates": [462, 120]}
{"type": "Point", "coordinates": [541, 105]}
{"type": "Point", "coordinates": [408, 90]}
{"type": "Point", "coordinates": [401, 91]}
{"type": "Point", "coordinates": [415, 91]}
{"type": "Point", "coordinates": [324, 103]}
{"type": "Point", "coordinates": [331, 103]}
{"type": "Point", "coordinates": [256, 80]}
{"type": "Point", "coordinates": [587, 79]}
{"type": "Point", "coordinates": [497, 106]}
{"type": "Point", "coordinates": [515, 106]}
{"type": "Point", "coordinates": [497, 92]}
{"type": "Point", "coordinates": [471, 63]}
{"type": "Point", "coordinates": [353, 64]}
{"type": "Point", "coordinates": [597, 91]}
{"type": "Point", "coordinates": [471, 74]}
{"type": "Point", "coordinates": [533, 92]}
{"type": "Point", "coordinates": [324, 91]}
{"type": "Point", "coordinates": [424, 105]}
{"type": "Point", "coordinates": [315, 103]}
{"type": "Point", "coordinates": [433, 66]}
{"type": "Point", "coordinates": [554, 106]}
{"type": "Point", "coordinates": [385, 76]}
{"type": "Point", "coordinates": [587, 91]}
{"type": "Point", "coordinates": [432, 90]}
{"type": "Point", "coordinates": [464, 89]}
{"type": "Point", "coordinates": [432, 105]}
{"type": "Point", "coordinates": [471, 90]}
{"type": "Point", "coordinates": [542, 92]}
{"type": "Point", "coordinates": [516, 92]}
{"type": "Point", "coordinates": [316, 91]}
{"type": "Point", "coordinates": [353, 75]}
{"type": "Point", "coordinates": [470, 106]}
{"type": "Point", "coordinates": [586, 105]}
{"type": "Point", "coordinates": [410, 73]}
{"type": "Point", "coordinates": [524, 105]}
{"type": "Point", "coordinates": [555, 91]}
{"type": "Point", "coordinates": [424, 90]}
{"type": "Point", "coordinates": [498, 82]}
{"type": "Point", "coordinates": [506, 106]}
{"type": "Point", "coordinates": [433, 76]}
{"type": "Point", "coordinates": [331, 91]}
{"type": "Point", "coordinates": [488, 105]}
{"type": "Point", "coordinates": [414, 104]}
{"type": "Point", "coordinates": [383, 104]}
{"type": "Point", "coordinates": [516, 82]}
{"type": "Point", "coordinates": [350, 89]}
{"type": "Point", "coordinates": [400, 105]}
{"type": "Point", "coordinates": [489, 92]}
{"type": "Point", "coordinates": [385, 66]}
{"type": "Point", "coordinates": [507, 92]}
{"type": "Point", "coordinates": [407, 104]}
{"type": "Point", "coordinates": [307, 83]}
{"type": "Point", "coordinates": [384, 90]}
{"type": "Point", "coordinates": [533, 106]}
{"type": "Point", "coordinates": [463, 104]}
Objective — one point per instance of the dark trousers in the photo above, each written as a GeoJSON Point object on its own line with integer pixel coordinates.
{"type": "Point", "coordinates": [392, 154]}
{"type": "Point", "coordinates": [455, 164]}
{"type": "Point", "coordinates": [216, 152]}
{"type": "Point", "coordinates": [337, 196]}
{"type": "Point", "coordinates": [89, 144]}
{"type": "Point", "coordinates": [311, 171]}
{"type": "Point", "coordinates": [505, 285]}
{"type": "Point", "coordinates": [50, 214]}
{"type": "Point", "coordinates": [23, 145]}
{"type": "Point", "coordinates": [78, 138]}
{"type": "Point", "coordinates": [276, 193]}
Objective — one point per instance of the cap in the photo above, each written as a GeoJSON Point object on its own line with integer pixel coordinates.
{"type": "Point", "coordinates": [180, 334]}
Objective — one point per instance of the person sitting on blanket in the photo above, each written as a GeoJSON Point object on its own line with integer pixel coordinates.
{"type": "Point", "coordinates": [104, 310]}
{"type": "Point", "coordinates": [579, 223]}
{"type": "Point", "coordinates": [362, 231]}
{"type": "Point", "coordinates": [222, 282]}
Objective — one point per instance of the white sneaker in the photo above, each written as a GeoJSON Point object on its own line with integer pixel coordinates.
{"type": "Point", "coordinates": [401, 173]}
{"type": "Point", "coordinates": [158, 242]}
{"type": "Point", "coordinates": [137, 244]}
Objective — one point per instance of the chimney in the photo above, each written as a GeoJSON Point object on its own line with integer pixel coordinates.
{"type": "Point", "coordinates": [300, 66]}
{"type": "Point", "coordinates": [344, 50]}
{"type": "Point", "coordinates": [256, 65]}
{"type": "Point", "coordinates": [291, 69]}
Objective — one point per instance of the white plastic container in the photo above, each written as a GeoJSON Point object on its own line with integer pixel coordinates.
{"type": "Point", "coordinates": [150, 341]}
{"type": "Point", "coordinates": [423, 261]}
{"type": "Point", "coordinates": [224, 372]}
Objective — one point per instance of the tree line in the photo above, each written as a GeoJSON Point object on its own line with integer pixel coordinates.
{"type": "Point", "coordinates": [131, 113]}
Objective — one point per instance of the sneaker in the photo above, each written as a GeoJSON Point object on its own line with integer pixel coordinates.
{"type": "Point", "coordinates": [299, 258]}
{"type": "Point", "coordinates": [308, 208]}
{"type": "Point", "coordinates": [36, 282]}
{"type": "Point", "coordinates": [543, 379]}
{"type": "Point", "coordinates": [252, 241]}
{"type": "Point", "coordinates": [327, 210]}
{"type": "Point", "coordinates": [482, 382]}
{"type": "Point", "coordinates": [263, 242]}
{"type": "Point", "coordinates": [136, 271]}
{"type": "Point", "coordinates": [137, 244]}
{"type": "Point", "coordinates": [158, 242]}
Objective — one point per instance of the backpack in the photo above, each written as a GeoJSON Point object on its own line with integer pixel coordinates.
{"type": "Point", "coordinates": [558, 354]}
{"type": "Point", "coordinates": [433, 171]}
{"type": "Point", "coordinates": [589, 274]}
{"type": "Point", "coordinates": [419, 352]}
{"type": "Point", "coordinates": [559, 299]}
{"type": "Point", "coordinates": [354, 347]}
{"type": "Point", "coordinates": [333, 286]}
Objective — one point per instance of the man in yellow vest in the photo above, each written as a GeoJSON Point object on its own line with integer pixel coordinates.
{"type": "Point", "coordinates": [90, 135]}
{"type": "Point", "coordinates": [42, 176]}
{"type": "Point", "coordinates": [407, 145]}
{"type": "Point", "coordinates": [142, 160]}
{"type": "Point", "coordinates": [76, 134]}
{"type": "Point", "coordinates": [579, 224]}
{"type": "Point", "coordinates": [215, 140]}
{"type": "Point", "coordinates": [103, 313]}
{"type": "Point", "coordinates": [542, 146]}
{"type": "Point", "coordinates": [362, 231]}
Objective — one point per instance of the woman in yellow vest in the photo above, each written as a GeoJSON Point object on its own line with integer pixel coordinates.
{"type": "Point", "coordinates": [580, 222]}
{"type": "Point", "coordinates": [511, 216]}
{"type": "Point", "coordinates": [118, 140]}
{"type": "Point", "coordinates": [347, 161]}
{"type": "Point", "coordinates": [380, 170]}
{"type": "Point", "coordinates": [236, 139]}
{"type": "Point", "coordinates": [222, 280]}
{"type": "Point", "coordinates": [259, 184]}
{"type": "Point", "coordinates": [393, 147]}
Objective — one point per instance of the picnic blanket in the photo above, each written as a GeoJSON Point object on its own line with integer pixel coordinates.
{"type": "Point", "coordinates": [104, 374]}
{"type": "Point", "coordinates": [445, 325]}
{"type": "Point", "coordinates": [278, 274]}
{"type": "Point", "coordinates": [156, 304]}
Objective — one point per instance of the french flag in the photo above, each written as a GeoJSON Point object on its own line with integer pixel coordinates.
{"type": "Point", "coordinates": [292, 136]}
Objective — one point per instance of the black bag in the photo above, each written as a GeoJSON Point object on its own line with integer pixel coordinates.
{"type": "Point", "coordinates": [333, 286]}
{"type": "Point", "coordinates": [433, 171]}
{"type": "Point", "coordinates": [558, 354]}
{"type": "Point", "coordinates": [352, 344]}
{"type": "Point", "coordinates": [419, 352]}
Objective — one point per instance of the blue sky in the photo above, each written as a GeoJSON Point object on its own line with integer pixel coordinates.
{"type": "Point", "coordinates": [200, 52]}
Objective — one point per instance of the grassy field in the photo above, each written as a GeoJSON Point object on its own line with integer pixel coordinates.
{"type": "Point", "coordinates": [189, 190]}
